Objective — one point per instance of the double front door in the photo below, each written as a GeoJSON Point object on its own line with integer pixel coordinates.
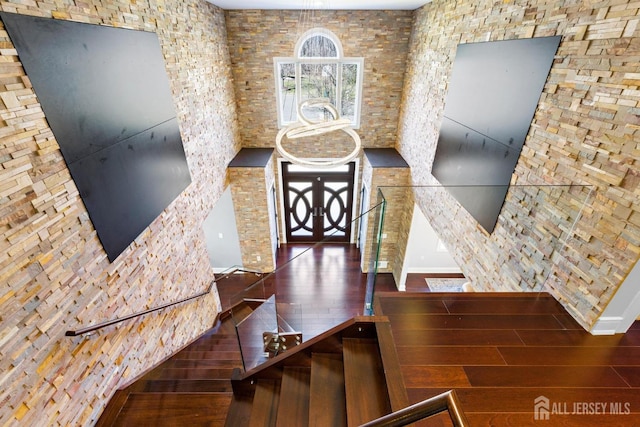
{"type": "Point", "coordinates": [318, 203]}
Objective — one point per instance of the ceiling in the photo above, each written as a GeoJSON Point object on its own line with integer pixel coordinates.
{"type": "Point", "coordinates": [321, 4]}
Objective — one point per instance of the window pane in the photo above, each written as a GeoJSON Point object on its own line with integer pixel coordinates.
{"type": "Point", "coordinates": [300, 213]}
{"type": "Point", "coordinates": [349, 88]}
{"type": "Point", "coordinates": [303, 168]}
{"type": "Point", "coordinates": [318, 81]}
{"type": "Point", "coordinates": [287, 92]}
{"type": "Point", "coordinates": [335, 214]}
{"type": "Point", "coordinates": [318, 47]}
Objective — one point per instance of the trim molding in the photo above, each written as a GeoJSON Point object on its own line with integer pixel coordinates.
{"type": "Point", "coordinates": [606, 325]}
{"type": "Point", "coordinates": [440, 270]}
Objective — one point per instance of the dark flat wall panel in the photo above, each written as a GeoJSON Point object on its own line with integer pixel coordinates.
{"type": "Point", "coordinates": [466, 157]}
{"type": "Point", "coordinates": [493, 94]}
{"type": "Point", "coordinates": [98, 85]}
{"type": "Point", "coordinates": [131, 182]}
{"type": "Point", "coordinates": [107, 98]}
{"type": "Point", "coordinates": [495, 86]}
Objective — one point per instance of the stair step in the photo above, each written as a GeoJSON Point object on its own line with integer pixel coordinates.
{"type": "Point", "coordinates": [327, 403]}
{"type": "Point", "coordinates": [215, 354]}
{"type": "Point", "coordinates": [239, 412]}
{"type": "Point", "coordinates": [188, 386]}
{"type": "Point", "coordinates": [265, 403]}
{"type": "Point", "coordinates": [110, 413]}
{"type": "Point", "coordinates": [293, 410]}
{"type": "Point", "coordinates": [366, 390]}
{"type": "Point", "coordinates": [199, 363]}
{"type": "Point", "coordinates": [227, 344]}
{"type": "Point", "coordinates": [174, 409]}
{"type": "Point", "coordinates": [222, 365]}
{"type": "Point", "coordinates": [241, 312]}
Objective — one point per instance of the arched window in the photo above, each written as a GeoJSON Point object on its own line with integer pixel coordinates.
{"type": "Point", "coordinates": [318, 70]}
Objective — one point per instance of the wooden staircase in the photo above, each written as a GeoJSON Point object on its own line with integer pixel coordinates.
{"type": "Point", "coordinates": [344, 377]}
{"type": "Point", "coordinates": [194, 383]}
{"type": "Point", "coordinates": [337, 379]}
{"type": "Point", "coordinates": [499, 351]}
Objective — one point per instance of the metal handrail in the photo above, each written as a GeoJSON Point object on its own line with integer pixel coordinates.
{"type": "Point", "coordinates": [92, 328]}
{"type": "Point", "coordinates": [447, 401]}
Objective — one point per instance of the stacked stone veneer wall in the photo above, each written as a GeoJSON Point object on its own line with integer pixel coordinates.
{"type": "Point", "coordinates": [257, 36]}
{"type": "Point", "coordinates": [393, 183]}
{"type": "Point", "coordinates": [585, 131]}
{"type": "Point", "coordinates": [250, 188]}
{"type": "Point", "coordinates": [54, 274]}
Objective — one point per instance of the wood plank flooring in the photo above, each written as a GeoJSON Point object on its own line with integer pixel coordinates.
{"type": "Point", "coordinates": [321, 288]}
{"type": "Point", "coordinates": [316, 287]}
{"type": "Point", "coordinates": [502, 351]}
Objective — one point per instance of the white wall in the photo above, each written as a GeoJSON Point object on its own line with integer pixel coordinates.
{"type": "Point", "coordinates": [425, 251]}
{"type": "Point", "coordinates": [221, 234]}
{"type": "Point", "coordinates": [624, 307]}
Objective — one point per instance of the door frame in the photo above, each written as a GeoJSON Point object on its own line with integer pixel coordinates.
{"type": "Point", "coordinates": [354, 204]}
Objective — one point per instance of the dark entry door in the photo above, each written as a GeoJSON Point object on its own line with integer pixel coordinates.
{"type": "Point", "coordinates": [318, 203]}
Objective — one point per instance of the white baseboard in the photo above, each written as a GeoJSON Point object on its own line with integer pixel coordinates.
{"type": "Point", "coordinates": [606, 326]}
{"type": "Point", "coordinates": [434, 270]}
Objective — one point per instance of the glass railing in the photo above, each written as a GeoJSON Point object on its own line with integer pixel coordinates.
{"type": "Point", "coordinates": [529, 249]}
{"type": "Point", "coordinates": [262, 320]}
{"type": "Point", "coordinates": [268, 326]}
{"type": "Point", "coordinates": [531, 243]}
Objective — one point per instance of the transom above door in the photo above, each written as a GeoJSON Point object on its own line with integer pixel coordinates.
{"type": "Point", "coordinates": [318, 203]}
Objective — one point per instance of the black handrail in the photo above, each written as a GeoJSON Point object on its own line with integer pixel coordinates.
{"type": "Point", "coordinates": [447, 401]}
{"type": "Point", "coordinates": [92, 328]}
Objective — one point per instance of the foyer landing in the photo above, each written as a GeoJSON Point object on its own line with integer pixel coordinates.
{"type": "Point", "coordinates": [502, 351]}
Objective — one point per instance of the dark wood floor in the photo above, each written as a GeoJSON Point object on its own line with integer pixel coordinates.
{"type": "Point", "coordinates": [321, 285]}
{"type": "Point", "coordinates": [501, 352]}
{"type": "Point", "coordinates": [498, 352]}
{"type": "Point", "coordinates": [317, 287]}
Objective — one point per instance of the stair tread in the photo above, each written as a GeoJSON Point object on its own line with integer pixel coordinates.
{"type": "Point", "coordinates": [165, 409]}
{"type": "Point", "coordinates": [327, 403]}
{"type": "Point", "coordinates": [294, 397]}
{"type": "Point", "coordinates": [197, 364]}
{"type": "Point", "coordinates": [265, 403]}
{"type": "Point", "coordinates": [240, 312]}
{"type": "Point", "coordinates": [113, 409]}
{"type": "Point", "coordinates": [365, 386]}
{"type": "Point", "coordinates": [224, 351]}
{"type": "Point", "coordinates": [239, 412]}
{"type": "Point", "coordinates": [188, 386]}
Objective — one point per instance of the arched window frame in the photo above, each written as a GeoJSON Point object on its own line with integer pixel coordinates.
{"type": "Point", "coordinates": [297, 61]}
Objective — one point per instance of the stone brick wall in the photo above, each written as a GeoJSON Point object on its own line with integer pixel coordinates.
{"type": "Point", "coordinates": [397, 216]}
{"type": "Point", "coordinates": [257, 36]}
{"type": "Point", "coordinates": [54, 274]}
{"type": "Point", "coordinates": [249, 189]}
{"type": "Point", "coordinates": [585, 131]}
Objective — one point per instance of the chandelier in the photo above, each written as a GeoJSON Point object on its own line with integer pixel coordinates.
{"type": "Point", "coordinates": [306, 126]}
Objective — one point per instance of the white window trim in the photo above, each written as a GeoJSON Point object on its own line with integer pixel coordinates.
{"type": "Point", "coordinates": [340, 60]}
{"type": "Point", "coordinates": [318, 32]}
